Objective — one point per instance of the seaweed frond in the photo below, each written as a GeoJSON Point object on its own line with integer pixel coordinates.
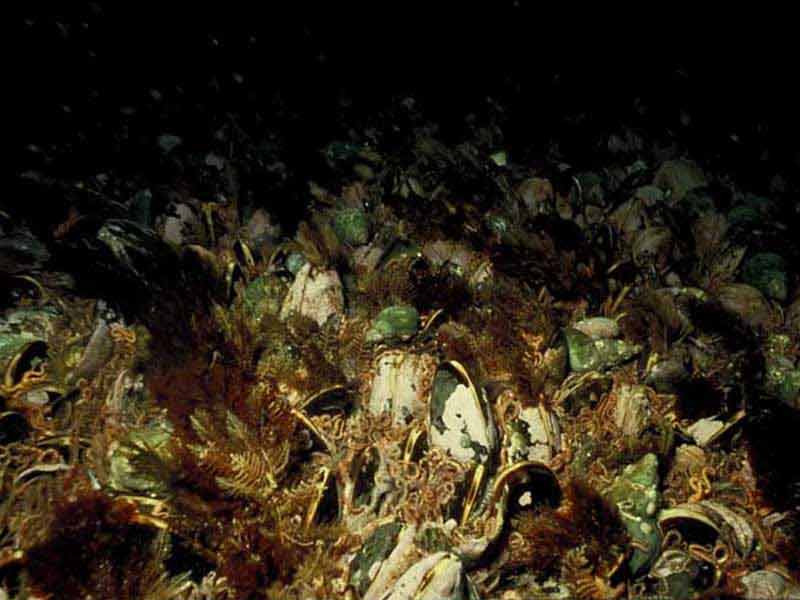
{"type": "Point", "coordinates": [243, 463]}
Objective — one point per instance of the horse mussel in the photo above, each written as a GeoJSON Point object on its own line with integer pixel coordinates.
{"type": "Point", "coordinates": [497, 381]}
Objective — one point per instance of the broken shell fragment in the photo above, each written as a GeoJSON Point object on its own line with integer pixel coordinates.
{"type": "Point", "coordinates": [708, 430]}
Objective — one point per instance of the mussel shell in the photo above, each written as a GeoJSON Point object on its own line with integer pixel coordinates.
{"type": "Point", "coordinates": [766, 271]}
{"type": "Point", "coordinates": [370, 558]}
{"type": "Point", "coordinates": [652, 244]}
{"type": "Point", "coordinates": [394, 322]}
{"type": "Point", "coordinates": [732, 525]}
{"type": "Point", "coordinates": [439, 576]}
{"type": "Point", "coordinates": [666, 375]}
{"type": "Point", "coordinates": [598, 327]}
{"type": "Point", "coordinates": [315, 294]}
{"type": "Point", "coordinates": [126, 474]}
{"type": "Point", "coordinates": [401, 385]}
{"type": "Point", "coordinates": [691, 520]}
{"type": "Point", "coordinates": [263, 296]}
{"type": "Point", "coordinates": [383, 571]}
{"type": "Point", "coordinates": [702, 522]}
{"type": "Point", "coordinates": [98, 351]}
{"type": "Point", "coordinates": [325, 507]}
{"type": "Point", "coordinates": [680, 177]}
{"type": "Point", "coordinates": [17, 354]}
{"type": "Point", "coordinates": [351, 226]}
{"type": "Point", "coordinates": [365, 467]}
{"type": "Point", "coordinates": [460, 420]}
{"type": "Point", "coordinates": [515, 488]}
{"type": "Point", "coordinates": [769, 584]}
{"type": "Point", "coordinates": [534, 435]}
{"type": "Point", "coordinates": [13, 427]}
{"type": "Point", "coordinates": [746, 302]}
{"type": "Point", "coordinates": [527, 484]}
{"type": "Point", "coordinates": [582, 354]}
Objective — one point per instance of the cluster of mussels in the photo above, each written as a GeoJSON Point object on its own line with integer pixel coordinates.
{"type": "Point", "coordinates": [462, 378]}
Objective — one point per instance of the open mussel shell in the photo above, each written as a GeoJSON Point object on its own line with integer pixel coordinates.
{"type": "Point", "coordinates": [733, 526]}
{"type": "Point", "coordinates": [13, 427]}
{"type": "Point", "coordinates": [243, 254]}
{"type": "Point", "coordinates": [691, 522]}
{"type": "Point", "coordinates": [18, 354]}
{"type": "Point", "coordinates": [328, 400]}
{"type": "Point", "coordinates": [526, 484]}
{"type": "Point", "coordinates": [704, 521]}
{"type": "Point", "coordinates": [234, 274]}
{"type": "Point", "coordinates": [513, 489]}
{"type": "Point", "coordinates": [369, 481]}
{"type": "Point", "coordinates": [460, 419]}
{"type": "Point", "coordinates": [325, 506]}
{"type": "Point", "coordinates": [333, 398]}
